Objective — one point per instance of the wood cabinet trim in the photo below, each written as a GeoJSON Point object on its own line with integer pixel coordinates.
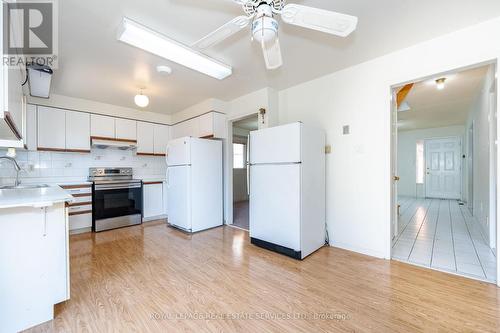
{"type": "Point", "coordinates": [152, 183]}
{"type": "Point", "coordinates": [10, 122]}
{"type": "Point", "coordinates": [60, 150]}
{"type": "Point", "coordinates": [51, 149]}
{"type": "Point", "coordinates": [146, 154]}
{"type": "Point", "coordinates": [112, 139]}
{"type": "Point", "coordinates": [78, 151]}
{"type": "Point", "coordinates": [211, 136]}
{"type": "Point", "coordinates": [80, 213]}
{"type": "Point", "coordinates": [75, 204]}
{"type": "Point", "coordinates": [82, 195]}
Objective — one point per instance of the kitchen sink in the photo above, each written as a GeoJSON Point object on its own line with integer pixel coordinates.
{"type": "Point", "coordinates": [23, 187]}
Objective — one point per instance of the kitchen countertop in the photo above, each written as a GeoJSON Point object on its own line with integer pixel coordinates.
{"type": "Point", "coordinates": [39, 197]}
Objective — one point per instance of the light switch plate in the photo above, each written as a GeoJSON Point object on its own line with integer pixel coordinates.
{"type": "Point", "coordinates": [346, 130]}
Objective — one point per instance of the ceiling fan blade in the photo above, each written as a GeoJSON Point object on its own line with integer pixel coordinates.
{"type": "Point", "coordinates": [227, 30]}
{"type": "Point", "coordinates": [272, 54]}
{"type": "Point", "coordinates": [319, 19]}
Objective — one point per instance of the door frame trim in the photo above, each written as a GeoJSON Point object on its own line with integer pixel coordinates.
{"type": "Point", "coordinates": [228, 165]}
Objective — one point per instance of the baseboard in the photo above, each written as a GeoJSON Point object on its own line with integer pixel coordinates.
{"type": "Point", "coordinates": [357, 249]}
{"type": "Point", "coordinates": [80, 231]}
{"type": "Point", "coordinates": [154, 218]}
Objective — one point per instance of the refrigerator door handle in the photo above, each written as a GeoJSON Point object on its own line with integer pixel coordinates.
{"type": "Point", "coordinates": [168, 181]}
{"type": "Point", "coordinates": [248, 165]}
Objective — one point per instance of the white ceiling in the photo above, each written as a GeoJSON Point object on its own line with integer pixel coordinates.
{"type": "Point", "coordinates": [95, 66]}
{"type": "Point", "coordinates": [432, 108]}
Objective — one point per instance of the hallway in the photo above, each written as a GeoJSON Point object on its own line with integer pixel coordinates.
{"type": "Point", "coordinates": [443, 235]}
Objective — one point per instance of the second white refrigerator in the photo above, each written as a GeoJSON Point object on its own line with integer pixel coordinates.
{"type": "Point", "coordinates": [194, 184]}
{"type": "Point", "coordinates": [287, 189]}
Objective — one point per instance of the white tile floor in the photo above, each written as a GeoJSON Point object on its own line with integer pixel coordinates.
{"type": "Point", "coordinates": [443, 235]}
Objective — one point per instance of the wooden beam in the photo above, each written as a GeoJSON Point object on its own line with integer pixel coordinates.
{"type": "Point", "coordinates": [403, 93]}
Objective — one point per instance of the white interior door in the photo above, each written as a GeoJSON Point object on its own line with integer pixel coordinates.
{"type": "Point", "coordinates": [179, 203]}
{"type": "Point", "coordinates": [443, 168]}
{"type": "Point", "coordinates": [275, 204]}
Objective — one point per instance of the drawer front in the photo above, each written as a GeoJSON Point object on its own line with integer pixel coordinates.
{"type": "Point", "coordinates": [78, 189]}
{"type": "Point", "coordinates": [78, 210]}
{"type": "Point", "coordinates": [79, 201]}
{"type": "Point", "coordinates": [80, 221]}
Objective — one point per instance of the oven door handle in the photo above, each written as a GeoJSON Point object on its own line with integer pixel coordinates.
{"type": "Point", "coordinates": [115, 187]}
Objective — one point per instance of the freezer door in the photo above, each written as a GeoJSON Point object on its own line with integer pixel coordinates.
{"type": "Point", "coordinates": [179, 152]}
{"type": "Point", "coordinates": [179, 203]}
{"type": "Point", "coordinates": [276, 144]}
{"type": "Point", "coordinates": [275, 204]}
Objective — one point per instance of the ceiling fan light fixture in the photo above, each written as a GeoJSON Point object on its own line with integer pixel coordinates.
{"type": "Point", "coordinates": [265, 29]}
{"type": "Point", "coordinates": [141, 100]}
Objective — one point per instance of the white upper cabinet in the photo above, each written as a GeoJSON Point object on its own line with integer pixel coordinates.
{"type": "Point", "coordinates": [12, 100]}
{"type": "Point", "coordinates": [145, 138]}
{"type": "Point", "coordinates": [212, 124]}
{"type": "Point", "coordinates": [186, 128]}
{"type": "Point", "coordinates": [125, 129]}
{"type": "Point", "coordinates": [77, 131]}
{"type": "Point", "coordinates": [206, 125]}
{"type": "Point", "coordinates": [31, 123]}
{"type": "Point", "coordinates": [51, 129]}
{"type": "Point", "coordinates": [161, 137]}
{"type": "Point", "coordinates": [102, 126]}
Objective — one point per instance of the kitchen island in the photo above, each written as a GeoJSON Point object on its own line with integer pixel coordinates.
{"type": "Point", "coordinates": [34, 255]}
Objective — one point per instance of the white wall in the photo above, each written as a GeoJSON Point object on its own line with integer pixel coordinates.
{"type": "Point", "coordinates": [78, 104]}
{"type": "Point", "coordinates": [482, 117]}
{"type": "Point", "coordinates": [358, 171]}
{"type": "Point", "coordinates": [211, 104]}
{"type": "Point", "coordinates": [407, 142]}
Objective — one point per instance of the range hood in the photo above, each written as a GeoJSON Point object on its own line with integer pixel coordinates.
{"type": "Point", "coordinates": [109, 143]}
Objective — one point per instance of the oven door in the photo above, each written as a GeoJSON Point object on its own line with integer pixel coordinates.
{"type": "Point", "coordinates": [116, 205]}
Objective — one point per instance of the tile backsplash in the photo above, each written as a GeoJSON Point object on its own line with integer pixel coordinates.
{"type": "Point", "coordinates": [69, 167]}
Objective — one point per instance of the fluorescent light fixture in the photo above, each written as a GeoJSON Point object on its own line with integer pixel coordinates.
{"type": "Point", "coordinates": [151, 41]}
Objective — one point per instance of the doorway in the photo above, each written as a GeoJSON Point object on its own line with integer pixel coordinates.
{"type": "Point", "coordinates": [241, 130]}
{"type": "Point", "coordinates": [443, 163]}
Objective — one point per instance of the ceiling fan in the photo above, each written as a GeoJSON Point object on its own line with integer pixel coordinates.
{"type": "Point", "coordinates": [262, 13]}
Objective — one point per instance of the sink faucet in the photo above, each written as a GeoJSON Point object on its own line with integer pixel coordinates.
{"type": "Point", "coordinates": [16, 166]}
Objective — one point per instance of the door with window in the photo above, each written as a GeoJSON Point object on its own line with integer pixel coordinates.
{"type": "Point", "coordinates": [443, 178]}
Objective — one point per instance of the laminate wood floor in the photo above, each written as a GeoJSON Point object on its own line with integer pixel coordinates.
{"type": "Point", "coordinates": [152, 278]}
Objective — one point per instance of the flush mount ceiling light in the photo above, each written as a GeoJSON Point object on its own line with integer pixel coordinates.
{"type": "Point", "coordinates": [162, 69]}
{"type": "Point", "coordinates": [440, 83]}
{"type": "Point", "coordinates": [137, 35]}
{"type": "Point", "coordinates": [141, 100]}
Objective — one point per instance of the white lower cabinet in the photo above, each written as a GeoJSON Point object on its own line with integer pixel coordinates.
{"type": "Point", "coordinates": [80, 210]}
{"type": "Point", "coordinates": [153, 201]}
{"type": "Point", "coordinates": [34, 265]}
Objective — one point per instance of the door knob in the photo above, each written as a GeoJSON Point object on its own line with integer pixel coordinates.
{"type": "Point", "coordinates": [396, 178]}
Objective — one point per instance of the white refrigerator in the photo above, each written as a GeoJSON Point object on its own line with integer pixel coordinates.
{"type": "Point", "coordinates": [287, 189]}
{"type": "Point", "coordinates": [194, 184]}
